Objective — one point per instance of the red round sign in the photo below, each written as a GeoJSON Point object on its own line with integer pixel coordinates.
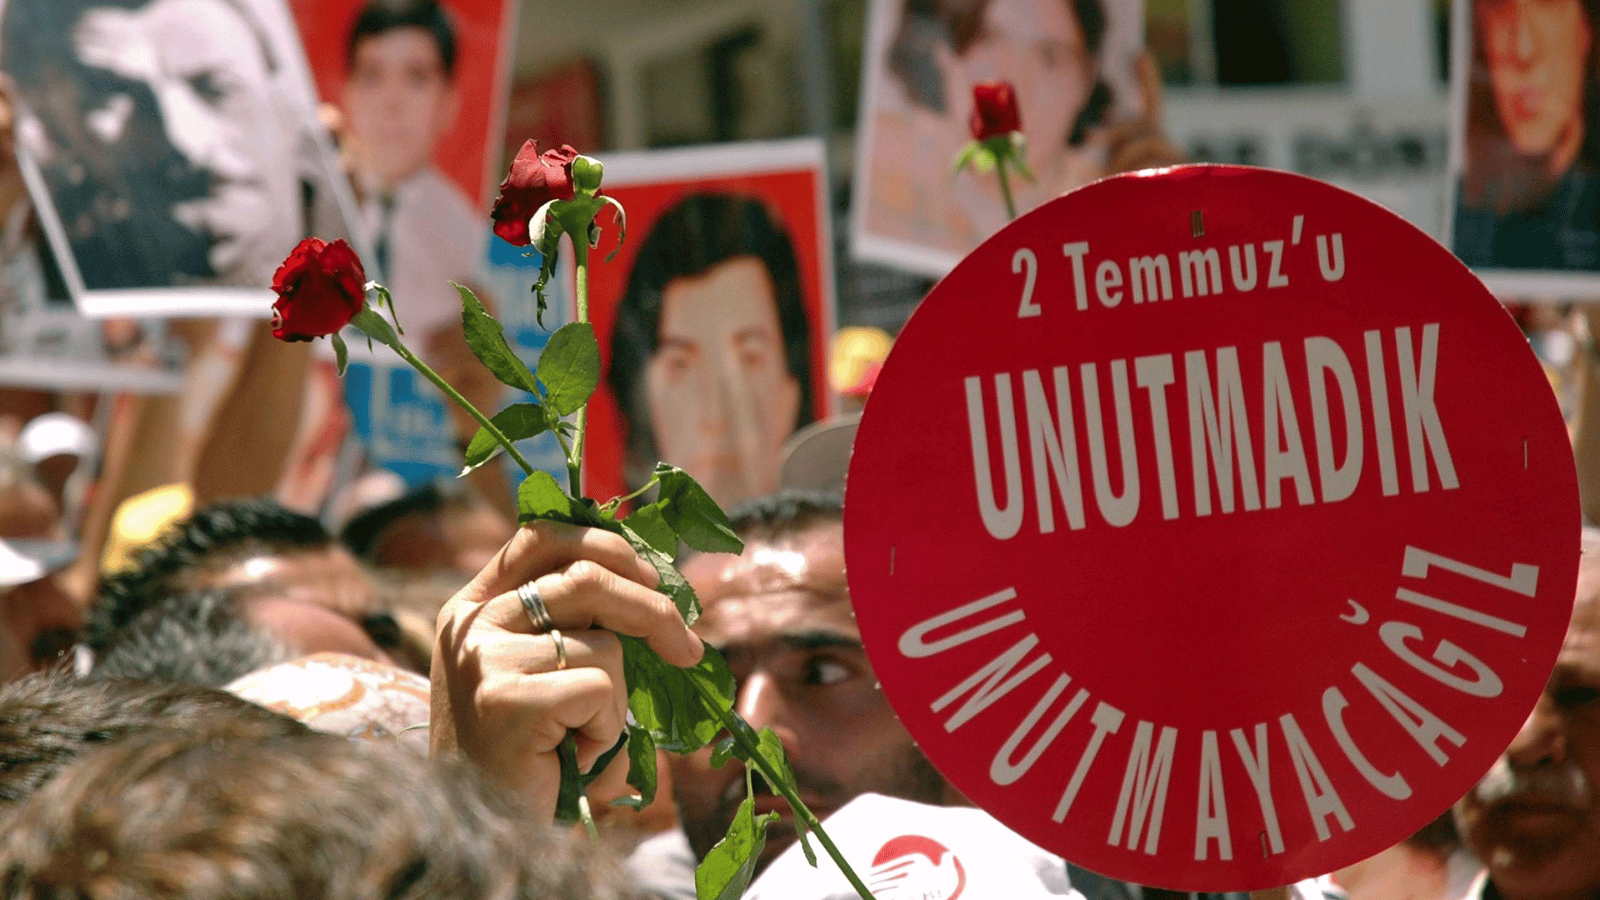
{"type": "Point", "coordinates": [1213, 528]}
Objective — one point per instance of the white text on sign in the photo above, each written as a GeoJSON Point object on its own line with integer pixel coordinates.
{"type": "Point", "coordinates": [1211, 402]}
{"type": "Point", "coordinates": [1154, 751]}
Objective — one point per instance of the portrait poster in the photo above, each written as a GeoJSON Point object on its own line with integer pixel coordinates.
{"type": "Point", "coordinates": [714, 317]}
{"type": "Point", "coordinates": [420, 136]}
{"type": "Point", "coordinates": [172, 150]}
{"type": "Point", "coordinates": [468, 151]}
{"type": "Point", "coordinates": [1075, 69]}
{"type": "Point", "coordinates": [1525, 149]}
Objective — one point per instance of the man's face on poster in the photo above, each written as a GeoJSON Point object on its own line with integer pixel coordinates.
{"type": "Point", "coordinates": [1536, 51]}
{"type": "Point", "coordinates": [722, 398]}
{"type": "Point", "coordinates": [399, 101]}
{"type": "Point", "coordinates": [171, 119]}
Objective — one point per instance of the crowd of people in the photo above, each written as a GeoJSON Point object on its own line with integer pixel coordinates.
{"type": "Point", "coordinates": [207, 693]}
{"type": "Point", "coordinates": [229, 712]}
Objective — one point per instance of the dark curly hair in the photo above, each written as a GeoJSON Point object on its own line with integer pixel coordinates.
{"type": "Point", "coordinates": [211, 539]}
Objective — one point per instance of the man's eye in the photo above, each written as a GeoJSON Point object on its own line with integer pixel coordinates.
{"type": "Point", "coordinates": [823, 672]}
{"type": "Point", "coordinates": [209, 87]}
{"type": "Point", "coordinates": [1576, 695]}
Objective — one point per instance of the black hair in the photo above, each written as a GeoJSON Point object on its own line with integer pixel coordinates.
{"type": "Point", "coordinates": [363, 532]}
{"type": "Point", "coordinates": [195, 638]}
{"type": "Point", "coordinates": [924, 24]}
{"type": "Point", "coordinates": [379, 16]}
{"type": "Point", "coordinates": [212, 538]}
{"type": "Point", "coordinates": [698, 233]}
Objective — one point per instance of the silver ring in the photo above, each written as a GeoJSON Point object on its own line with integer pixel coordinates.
{"type": "Point", "coordinates": [561, 649]}
{"type": "Point", "coordinates": [533, 605]}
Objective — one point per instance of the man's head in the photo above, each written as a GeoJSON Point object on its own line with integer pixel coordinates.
{"type": "Point", "coordinates": [47, 721]}
{"type": "Point", "coordinates": [195, 638]}
{"type": "Point", "coordinates": [443, 526]}
{"type": "Point", "coordinates": [780, 612]}
{"type": "Point", "coordinates": [400, 88]}
{"type": "Point", "coordinates": [286, 574]}
{"type": "Point", "coordinates": [312, 816]}
{"type": "Point", "coordinates": [39, 621]}
{"type": "Point", "coordinates": [170, 157]}
{"type": "Point", "coordinates": [711, 356]}
{"type": "Point", "coordinates": [1534, 820]}
{"type": "Point", "coordinates": [1539, 58]}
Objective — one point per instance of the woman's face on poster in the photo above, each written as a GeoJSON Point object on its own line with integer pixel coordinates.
{"type": "Point", "coordinates": [722, 398]}
{"type": "Point", "coordinates": [1038, 46]}
{"type": "Point", "coordinates": [1536, 50]}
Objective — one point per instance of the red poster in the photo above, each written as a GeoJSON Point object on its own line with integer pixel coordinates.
{"type": "Point", "coordinates": [724, 294]}
{"type": "Point", "coordinates": [469, 148]}
{"type": "Point", "coordinates": [1214, 527]}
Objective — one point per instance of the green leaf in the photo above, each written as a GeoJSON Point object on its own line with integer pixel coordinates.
{"type": "Point", "coordinates": [569, 367]}
{"type": "Point", "coordinates": [770, 749]}
{"type": "Point", "coordinates": [641, 768]}
{"type": "Point", "coordinates": [541, 498]}
{"type": "Point", "coordinates": [586, 174]}
{"type": "Point", "coordinates": [723, 751]}
{"type": "Point", "coordinates": [547, 268]}
{"type": "Point", "coordinates": [488, 342]}
{"type": "Point", "coordinates": [673, 584]}
{"type": "Point", "coordinates": [681, 707]}
{"type": "Point", "coordinates": [727, 869]}
{"type": "Point", "coordinates": [647, 523]}
{"type": "Point", "coordinates": [622, 226]}
{"type": "Point", "coordinates": [517, 422]}
{"type": "Point", "coordinates": [341, 354]}
{"type": "Point", "coordinates": [965, 158]}
{"type": "Point", "coordinates": [371, 323]}
{"type": "Point", "coordinates": [605, 759]}
{"type": "Point", "coordinates": [779, 774]}
{"type": "Point", "coordinates": [690, 511]}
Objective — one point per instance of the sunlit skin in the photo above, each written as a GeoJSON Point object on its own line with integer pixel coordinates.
{"type": "Point", "coordinates": [313, 601]}
{"type": "Point", "coordinates": [1535, 818]}
{"type": "Point", "coordinates": [722, 399]}
{"type": "Point", "coordinates": [1537, 50]}
{"type": "Point", "coordinates": [40, 621]}
{"type": "Point", "coordinates": [398, 101]}
{"type": "Point", "coordinates": [781, 615]}
{"type": "Point", "coordinates": [206, 68]}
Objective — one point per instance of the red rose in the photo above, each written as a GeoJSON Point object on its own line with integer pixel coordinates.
{"type": "Point", "coordinates": [320, 287]}
{"type": "Point", "coordinates": [994, 110]}
{"type": "Point", "coordinates": [535, 180]}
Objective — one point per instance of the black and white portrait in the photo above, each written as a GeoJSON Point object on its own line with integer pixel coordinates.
{"type": "Point", "coordinates": [174, 148]}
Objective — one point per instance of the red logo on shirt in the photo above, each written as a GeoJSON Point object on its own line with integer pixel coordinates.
{"type": "Point", "coordinates": [913, 867]}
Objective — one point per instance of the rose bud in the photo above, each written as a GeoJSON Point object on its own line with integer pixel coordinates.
{"type": "Point", "coordinates": [994, 110]}
{"type": "Point", "coordinates": [535, 180]}
{"type": "Point", "coordinates": [320, 287]}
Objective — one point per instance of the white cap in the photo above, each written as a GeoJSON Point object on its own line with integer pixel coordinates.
{"type": "Point", "coordinates": [24, 559]}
